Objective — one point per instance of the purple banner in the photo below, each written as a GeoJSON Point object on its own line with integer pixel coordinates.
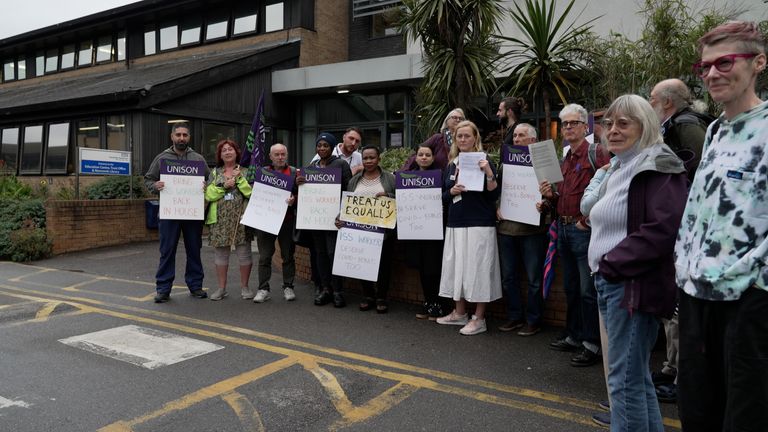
{"type": "Point", "coordinates": [321, 175]}
{"type": "Point", "coordinates": [273, 178]}
{"type": "Point", "coordinates": [182, 167]}
{"type": "Point", "coordinates": [360, 227]}
{"type": "Point", "coordinates": [516, 155]}
{"type": "Point", "coordinates": [418, 179]}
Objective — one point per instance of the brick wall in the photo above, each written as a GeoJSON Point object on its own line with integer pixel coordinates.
{"type": "Point", "coordinates": [330, 40]}
{"type": "Point", "coordinates": [81, 225]}
{"type": "Point", "coordinates": [405, 286]}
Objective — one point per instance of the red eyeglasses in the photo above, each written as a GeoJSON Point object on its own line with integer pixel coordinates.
{"type": "Point", "coordinates": [722, 64]}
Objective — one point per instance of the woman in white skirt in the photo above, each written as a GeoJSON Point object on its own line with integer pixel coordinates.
{"type": "Point", "coordinates": [470, 255]}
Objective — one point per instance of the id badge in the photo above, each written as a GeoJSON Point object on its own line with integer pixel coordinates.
{"type": "Point", "coordinates": [457, 198]}
{"type": "Point", "coordinates": [228, 196]}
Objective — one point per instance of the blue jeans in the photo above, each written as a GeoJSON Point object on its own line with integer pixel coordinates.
{"type": "Point", "coordinates": [581, 322]}
{"type": "Point", "coordinates": [531, 249]}
{"type": "Point", "coordinates": [634, 407]}
{"type": "Point", "coordinates": [170, 231]}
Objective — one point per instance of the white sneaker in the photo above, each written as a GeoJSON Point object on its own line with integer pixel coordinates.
{"type": "Point", "coordinates": [453, 319]}
{"type": "Point", "coordinates": [219, 294]}
{"type": "Point", "coordinates": [246, 293]}
{"type": "Point", "coordinates": [289, 294]}
{"type": "Point", "coordinates": [473, 327]}
{"type": "Point", "coordinates": [261, 296]}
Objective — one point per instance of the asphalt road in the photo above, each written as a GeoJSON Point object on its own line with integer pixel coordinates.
{"type": "Point", "coordinates": [84, 348]}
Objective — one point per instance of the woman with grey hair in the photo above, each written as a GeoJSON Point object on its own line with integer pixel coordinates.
{"type": "Point", "coordinates": [634, 225]}
{"type": "Point", "coordinates": [440, 143]}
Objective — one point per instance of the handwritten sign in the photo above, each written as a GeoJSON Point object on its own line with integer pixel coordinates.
{"type": "Point", "coordinates": [183, 196]}
{"type": "Point", "coordinates": [358, 251]}
{"type": "Point", "coordinates": [544, 161]}
{"type": "Point", "coordinates": [319, 199]}
{"type": "Point", "coordinates": [368, 210]}
{"type": "Point", "coordinates": [419, 205]}
{"type": "Point", "coordinates": [266, 208]}
{"type": "Point", "coordinates": [519, 187]}
{"type": "Point", "coordinates": [470, 174]}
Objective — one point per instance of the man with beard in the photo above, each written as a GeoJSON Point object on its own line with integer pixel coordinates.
{"type": "Point", "coordinates": [346, 150]}
{"type": "Point", "coordinates": [171, 229]}
{"type": "Point", "coordinates": [510, 110]}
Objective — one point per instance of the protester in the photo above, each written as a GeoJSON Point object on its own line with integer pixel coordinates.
{"type": "Point", "coordinates": [228, 192]}
{"type": "Point", "coordinates": [374, 181]}
{"type": "Point", "coordinates": [722, 246]}
{"type": "Point", "coordinates": [426, 255]}
{"type": "Point", "coordinates": [520, 242]}
{"type": "Point", "coordinates": [509, 113]}
{"type": "Point", "coordinates": [171, 229]}
{"type": "Point", "coordinates": [324, 242]}
{"type": "Point", "coordinates": [634, 225]}
{"type": "Point", "coordinates": [582, 329]}
{"type": "Point", "coordinates": [347, 149]}
{"type": "Point", "coordinates": [441, 142]}
{"type": "Point", "coordinates": [278, 155]}
{"type": "Point", "coordinates": [470, 256]}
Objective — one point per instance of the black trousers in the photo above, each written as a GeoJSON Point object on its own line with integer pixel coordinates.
{"type": "Point", "coordinates": [723, 363]}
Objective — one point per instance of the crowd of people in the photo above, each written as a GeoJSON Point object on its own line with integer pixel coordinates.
{"type": "Point", "coordinates": [661, 219]}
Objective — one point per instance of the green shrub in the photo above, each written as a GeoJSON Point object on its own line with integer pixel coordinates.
{"type": "Point", "coordinates": [29, 243]}
{"type": "Point", "coordinates": [11, 187]}
{"type": "Point", "coordinates": [117, 187]}
{"type": "Point", "coordinates": [16, 215]}
{"type": "Point", "coordinates": [394, 158]}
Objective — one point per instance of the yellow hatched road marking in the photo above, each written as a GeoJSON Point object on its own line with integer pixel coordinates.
{"type": "Point", "coordinates": [245, 411]}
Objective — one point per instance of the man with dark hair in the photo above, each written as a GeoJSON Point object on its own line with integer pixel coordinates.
{"type": "Point", "coordinates": [346, 150]}
{"type": "Point", "coordinates": [722, 246]}
{"type": "Point", "coordinates": [509, 113]}
{"type": "Point", "coordinates": [172, 229]}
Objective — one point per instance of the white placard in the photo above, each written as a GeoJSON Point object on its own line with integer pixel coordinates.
{"type": "Point", "coordinates": [182, 197]}
{"type": "Point", "coordinates": [358, 252]}
{"type": "Point", "coordinates": [318, 206]}
{"type": "Point", "coordinates": [266, 208]}
{"type": "Point", "coordinates": [519, 195]}
{"type": "Point", "coordinates": [419, 214]}
{"type": "Point", "coordinates": [545, 162]}
{"type": "Point", "coordinates": [470, 174]}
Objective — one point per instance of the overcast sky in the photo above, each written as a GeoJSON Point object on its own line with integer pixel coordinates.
{"type": "Point", "coordinates": [27, 15]}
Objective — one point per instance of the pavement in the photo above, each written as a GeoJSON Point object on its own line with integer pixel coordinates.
{"type": "Point", "coordinates": [71, 360]}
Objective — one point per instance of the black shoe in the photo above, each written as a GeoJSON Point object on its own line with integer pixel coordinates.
{"type": "Point", "coordinates": [659, 378]}
{"type": "Point", "coordinates": [323, 298]}
{"type": "Point", "coordinates": [562, 345]}
{"type": "Point", "coordinates": [435, 311]}
{"type": "Point", "coordinates": [423, 313]}
{"type": "Point", "coordinates": [585, 357]}
{"type": "Point", "coordinates": [162, 298]}
{"type": "Point", "coordinates": [667, 393]}
{"type": "Point", "coordinates": [603, 419]}
{"type": "Point", "coordinates": [338, 300]}
{"type": "Point", "coordinates": [199, 294]}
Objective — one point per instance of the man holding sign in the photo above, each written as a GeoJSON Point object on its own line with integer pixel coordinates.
{"type": "Point", "coordinates": [180, 155]}
{"type": "Point", "coordinates": [519, 240]}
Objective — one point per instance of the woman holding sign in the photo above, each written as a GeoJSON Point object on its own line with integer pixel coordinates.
{"type": "Point", "coordinates": [470, 256]}
{"type": "Point", "coordinates": [228, 194]}
{"type": "Point", "coordinates": [374, 181]}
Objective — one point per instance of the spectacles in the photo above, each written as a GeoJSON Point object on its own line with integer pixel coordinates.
{"type": "Point", "coordinates": [567, 124]}
{"type": "Point", "coordinates": [457, 118]}
{"type": "Point", "coordinates": [621, 123]}
{"type": "Point", "coordinates": [722, 64]}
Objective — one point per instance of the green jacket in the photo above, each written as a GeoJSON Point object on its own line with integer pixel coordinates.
{"type": "Point", "coordinates": [216, 191]}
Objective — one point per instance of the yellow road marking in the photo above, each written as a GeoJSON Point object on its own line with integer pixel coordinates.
{"type": "Point", "coordinates": [76, 287]}
{"type": "Point", "coordinates": [40, 271]}
{"type": "Point", "coordinates": [331, 386]}
{"type": "Point", "coordinates": [245, 411]}
{"type": "Point", "coordinates": [218, 389]}
{"type": "Point", "coordinates": [376, 406]}
{"type": "Point", "coordinates": [45, 312]}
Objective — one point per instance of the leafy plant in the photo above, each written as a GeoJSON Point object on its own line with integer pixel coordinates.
{"type": "Point", "coordinates": [11, 187]}
{"type": "Point", "coordinates": [394, 158]}
{"type": "Point", "coordinates": [29, 243]}
{"type": "Point", "coordinates": [16, 215]}
{"type": "Point", "coordinates": [117, 187]}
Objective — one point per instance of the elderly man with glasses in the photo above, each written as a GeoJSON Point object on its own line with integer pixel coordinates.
{"type": "Point", "coordinates": [582, 333]}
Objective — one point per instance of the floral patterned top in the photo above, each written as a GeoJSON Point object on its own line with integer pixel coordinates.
{"type": "Point", "coordinates": [226, 209]}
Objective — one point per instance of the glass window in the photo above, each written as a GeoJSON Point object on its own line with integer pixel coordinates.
{"type": "Point", "coordinates": [150, 43]}
{"type": "Point", "coordinates": [32, 152]}
{"type": "Point", "coordinates": [352, 108]}
{"type": "Point", "coordinates": [396, 106]}
{"type": "Point", "coordinates": [9, 148]}
{"type": "Point", "coordinates": [104, 50]}
{"type": "Point", "coordinates": [85, 54]}
{"type": "Point", "coordinates": [68, 57]}
{"type": "Point", "coordinates": [273, 17]}
{"type": "Point", "coordinates": [215, 30]}
{"type": "Point", "coordinates": [385, 23]}
{"type": "Point", "coordinates": [88, 133]}
{"type": "Point", "coordinates": [212, 134]}
{"type": "Point", "coordinates": [245, 21]}
{"type": "Point", "coordinates": [39, 64]}
{"type": "Point", "coordinates": [121, 46]}
{"type": "Point", "coordinates": [58, 148]}
{"type": "Point", "coordinates": [117, 139]}
{"type": "Point", "coordinates": [9, 69]}
{"type": "Point", "coordinates": [21, 67]}
{"type": "Point", "coordinates": [51, 60]}
{"type": "Point", "coordinates": [190, 33]}
{"type": "Point", "coordinates": [169, 37]}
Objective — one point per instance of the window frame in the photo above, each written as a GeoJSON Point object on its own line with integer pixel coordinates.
{"type": "Point", "coordinates": [67, 146]}
{"type": "Point", "coordinates": [22, 150]}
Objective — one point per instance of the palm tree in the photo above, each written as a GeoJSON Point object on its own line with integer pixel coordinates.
{"type": "Point", "coordinates": [459, 49]}
{"type": "Point", "coordinates": [545, 58]}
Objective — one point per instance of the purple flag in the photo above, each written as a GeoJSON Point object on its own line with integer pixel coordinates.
{"type": "Point", "coordinates": [253, 150]}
